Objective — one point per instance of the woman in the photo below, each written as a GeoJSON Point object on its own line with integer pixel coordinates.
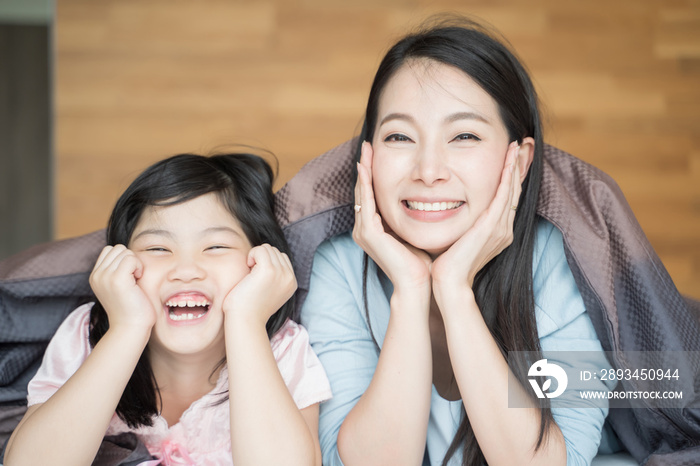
{"type": "Point", "coordinates": [448, 272]}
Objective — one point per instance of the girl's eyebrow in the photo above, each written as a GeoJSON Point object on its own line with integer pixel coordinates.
{"type": "Point", "coordinates": [168, 234]}
{"type": "Point", "coordinates": [152, 231]}
{"type": "Point", "coordinates": [222, 229]}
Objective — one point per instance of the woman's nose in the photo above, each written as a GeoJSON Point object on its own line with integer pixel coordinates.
{"type": "Point", "coordinates": [431, 165]}
{"type": "Point", "coordinates": [186, 269]}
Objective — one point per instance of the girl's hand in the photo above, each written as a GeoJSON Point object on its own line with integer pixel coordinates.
{"type": "Point", "coordinates": [114, 282]}
{"type": "Point", "coordinates": [489, 236]}
{"type": "Point", "coordinates": [270, 283]}
{"type": "Point", "coordinates": [408, 268]}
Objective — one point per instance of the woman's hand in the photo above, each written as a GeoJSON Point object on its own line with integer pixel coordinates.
{"type": "Point", "coordinates": [270, 283]}
{"type": "Point", "coordinates": [408, 268]}
{"type": "Point", "coordinates": [492, 232]}
{"type": "Point", "coordinates": [114, 281]}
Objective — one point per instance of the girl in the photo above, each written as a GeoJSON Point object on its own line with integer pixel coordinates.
{"type": "Point", "coordinates": [189, 344]}
{"type": "Point", "coordinates": [448, 271]}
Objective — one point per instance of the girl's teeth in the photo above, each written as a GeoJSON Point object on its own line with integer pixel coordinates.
{"type": "Point", "coordinates": [188, 316]}
{"type": "Point", "coordinates": [185, 316]}
{"type": "Point", "coordinates": [187, 303]}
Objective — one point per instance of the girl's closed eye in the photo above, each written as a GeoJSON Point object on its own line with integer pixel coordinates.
{"type": "Point", "coordinates": [219, 248]}
{"type": "Point", "coordinates": [157, 249]}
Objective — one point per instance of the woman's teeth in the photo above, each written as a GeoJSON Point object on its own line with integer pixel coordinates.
{"type": "Point", "coordinates": [433, 206]}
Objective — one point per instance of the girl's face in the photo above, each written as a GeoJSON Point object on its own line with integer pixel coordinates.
{"type": "Point", "coordinates": [439, 151]}
{"type": "Point", "coordinates": [193, 254]}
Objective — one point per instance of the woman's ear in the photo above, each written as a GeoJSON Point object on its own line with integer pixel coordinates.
{"type": "Point", "coordinates": [525, 155]}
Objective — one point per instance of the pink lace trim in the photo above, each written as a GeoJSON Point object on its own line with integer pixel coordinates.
{"type": "Point", "coordinates": [171, 454]}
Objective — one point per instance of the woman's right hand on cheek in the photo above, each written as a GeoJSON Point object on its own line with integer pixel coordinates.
{"type": "Point", "coordinates": [408, 268]}
{"type": "Point", "coordinates": [114, 282]}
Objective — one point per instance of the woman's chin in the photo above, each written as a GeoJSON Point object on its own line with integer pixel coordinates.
{"type": "Point", "coordinates": [431, 246]}
{"type": "Point", "coordinates": [434, 253]}
{"type": "Point", "coordinates": [434, 241]}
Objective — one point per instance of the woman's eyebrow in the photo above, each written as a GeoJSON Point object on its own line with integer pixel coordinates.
{"type": "Point", "coordinates": [466, 116]}
{"type": "Point", "coordinates": [450, 119]}
{"type": "Point", "coordinates": [397, 116]}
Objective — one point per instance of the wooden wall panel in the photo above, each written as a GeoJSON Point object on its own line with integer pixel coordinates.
{"type": "Point", "coordinates": [138, 80]}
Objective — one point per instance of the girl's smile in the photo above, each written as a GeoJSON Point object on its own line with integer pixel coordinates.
{"type": "Point", "coordinates": [186, 308]}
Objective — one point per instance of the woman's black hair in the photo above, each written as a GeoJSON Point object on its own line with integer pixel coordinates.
{"type": "Point", "coordinates": [503, 288]}
{"type": "Point", "coordinates": [243, 183]}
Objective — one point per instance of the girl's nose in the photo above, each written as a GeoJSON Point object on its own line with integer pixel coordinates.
{"type": "Point", "coordinates": [186, 269]}
{"type": "Point", "coordinates": [431, 165]}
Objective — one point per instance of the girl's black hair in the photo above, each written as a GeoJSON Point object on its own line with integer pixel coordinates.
{"type": "Point", "coordinates": [243, 183]}
{"type": "Point", "coordinates": [503, 288]}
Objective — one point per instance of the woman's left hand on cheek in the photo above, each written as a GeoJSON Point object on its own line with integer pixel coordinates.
{"type": "Point", "coordinates": [270, 283]}
{"type": "Point", "coordinates": [489, 236]}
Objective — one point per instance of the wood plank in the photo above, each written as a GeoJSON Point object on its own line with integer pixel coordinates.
{"type": "Point", "coordinates": [137, 80]}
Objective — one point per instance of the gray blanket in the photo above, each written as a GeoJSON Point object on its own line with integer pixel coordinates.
{"type": "Point", "coordinates": [630, 297]}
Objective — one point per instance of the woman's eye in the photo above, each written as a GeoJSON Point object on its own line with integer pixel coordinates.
{"type": "Point", "coordinates": [157, 249]}
{"type": "Point", "coordinates": [397, 138]}
{"type": "Point", "coordinates": [467, 137]}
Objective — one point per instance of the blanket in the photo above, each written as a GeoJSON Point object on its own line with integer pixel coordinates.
{"type": "Point", "coordinates": [632, 301]}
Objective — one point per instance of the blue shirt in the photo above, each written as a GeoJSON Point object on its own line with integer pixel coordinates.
{"type": "Point", "coordinates": [334, 316]}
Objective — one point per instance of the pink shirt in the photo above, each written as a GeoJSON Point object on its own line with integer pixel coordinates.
{"type": "Point", "coordinates": [203, 433]}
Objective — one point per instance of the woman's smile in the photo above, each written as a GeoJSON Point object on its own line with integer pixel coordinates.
{"type": "Point", "coordinates": [432, 210]}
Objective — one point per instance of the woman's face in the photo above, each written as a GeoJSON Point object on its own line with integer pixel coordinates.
{"type": "Point", "coordinates": [439, 152]}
